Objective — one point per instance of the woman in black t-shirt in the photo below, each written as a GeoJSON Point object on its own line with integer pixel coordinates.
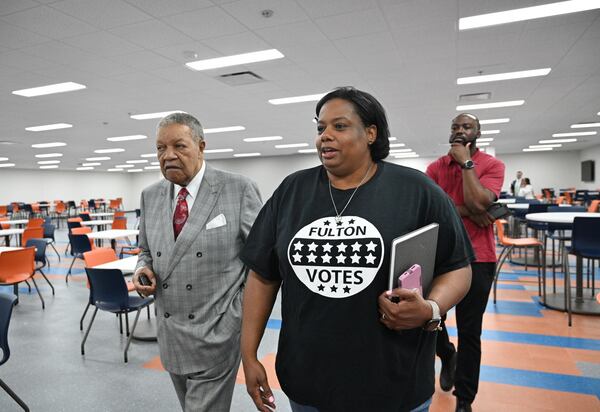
{"type": "Point", "coordinates": [324, 238]}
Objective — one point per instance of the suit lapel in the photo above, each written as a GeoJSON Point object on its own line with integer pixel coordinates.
{"type": "Point", "coordinates": [205, 201]}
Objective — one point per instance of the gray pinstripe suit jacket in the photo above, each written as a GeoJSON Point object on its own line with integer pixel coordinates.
{"type": "Point", "coordinates": [200, 276]}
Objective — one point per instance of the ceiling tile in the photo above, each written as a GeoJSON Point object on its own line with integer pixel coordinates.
{"type": "Point", "coordinates": [11, 6]}
{"type": "Point", "coordinates": [103, 14]}
{"type": "Point", "coordinates": [50, 22]}
{"type": "Point", "coordinates": [160, 8]}
{"type": "Point", "coordinates": [205, 23]}
{"type": "Point", "coordinates": [249, 12]}
{"type": "Point", "coordinates": [320, 8]}
{"type": "Point", "coordinates": [151, 34]}
{"type": "Point", "coordinates": [237, 43]}
{"type": "Point", "coordinates": [15, 37]}
{"type": "Point", "coordinates": [352, 24]}
{"type": "Point", "coordinates": [103, 44]}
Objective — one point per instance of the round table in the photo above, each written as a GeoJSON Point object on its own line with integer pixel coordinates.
{"type": "Point", "coordinates": [581, 304]}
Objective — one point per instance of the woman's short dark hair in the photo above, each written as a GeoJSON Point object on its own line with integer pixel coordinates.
{"type": "Point", "coordinates": [371, 113]}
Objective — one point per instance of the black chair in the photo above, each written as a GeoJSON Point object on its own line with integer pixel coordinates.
{"type": "Point", "coordinates": [85, 217]}
{"type": "Point", "coordinates": [79, 245]}
{"type": "Point", "coordinates": [49, 237]}
{"type": "Point", "coordinates": [40, 256]}
{"type": "Point", "coordinates": [92, 205]}
{"type": "Point", "coordinates": [7, 302]}
{"type": "Point", "coordinates": [585, 244]}
{"type": "Point", "coordinates": [108, 292]}
{"type": "Point", "coordinates": [71, 225]}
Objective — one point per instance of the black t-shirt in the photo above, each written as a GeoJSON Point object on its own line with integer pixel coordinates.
{"type": "Point", "coordinates": [333, 352]}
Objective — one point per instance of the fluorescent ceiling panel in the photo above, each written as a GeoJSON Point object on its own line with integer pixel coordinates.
{"type": "Point", "coordinates": [136, 161]}
{"type": "Point", "coordinates": [490, 131]}
{"type": "Point", "coordinates": [246, 154]}
{"type": "Point", "coordinates": [224, 129]}
{"type": "Point", "coordinates": [46, 145]}
{"type": "Point", "coordinates": [7, 165]}
{"type": "Point", "coordinates": [126, 138]}
{"type": "Point", "coordinates": [485, 139]}
{"type": "Point", "coordinates": [537, 146]}
{"type": "Point", "coordinates": [502, 76]}
{"type": "Point", "coordinates": [558, 141]}
{"type": "Point", "coordinates": [45, 127]}
{"type": "Point", "coordinates": [483, 144]}
{"type": "Point", "coordinates": [495, 105]}
{"type": "Point", "coordinates": [495, 121]}
{"type": "Point", "coordinates": [235, 60]}
{"type": "Point", "coordinates": [157, 115]}
{"type": "Point", "coordinates": [574, 134]}
{"type": "Point", "coordinates": [208, 151]}
{"type": "Point", "coordinates": [307, 151]}
{"type": "Point", "coordinates": [583, 125]}
{"type": "Point", "coordinates": [95, 159]}
{"type": "Point", "coordinates": [135, 170]}
{"type": "Point", "coordinates": [392, 139]}
{"type": "Point", "coordinates": [116, 150]}
{"type": "Point", "coordinates": [291, 145]}
{"type": "Point", "coordinates": [262, 139]}
{"type": "Point", "coordinates": [151, 167]}
{"type": "Point", "coordinates": [115, 170]}
{"type": "Point", "coordinates": [49, 167]}
{"type": "Point", "coordinates": [149, 155]}
{"type": "Point", "coordinates": [541, 149]}
{"type": "Point", "coordinates": [48, 162]}
{"type": "Point", "coordinates": [91, 164]}
{"type": "Point", "coordinates": [400, 151]}
{"type": "Point", "coordinates": [297, 99]}
{"type": "Point", "coordinates": [3, 159]}
{"type": "Point", "coordinates": [526, 13]}
{"type": "Point", "coordinates": [397, 145]}
{"type": "Point", "coordinates": [85, 168]}
{"type": "Point", "coordinates": [49, 89]}
{"type": "Point", "coordinates": [124, 166]}
{"type": "Point", "coordinates": [43, 155]}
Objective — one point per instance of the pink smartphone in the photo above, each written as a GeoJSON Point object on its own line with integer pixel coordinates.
{"type": "Point", "coordinates": [411, 279]}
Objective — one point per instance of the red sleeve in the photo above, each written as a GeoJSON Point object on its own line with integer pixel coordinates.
{"type": "Point", "coordinates": [432, 170]}
{"type": "Point", "coordinates": [493, 177]}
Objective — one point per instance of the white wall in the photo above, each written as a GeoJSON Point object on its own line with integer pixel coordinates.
{"type": "Point", "coordinates": [591, 154]}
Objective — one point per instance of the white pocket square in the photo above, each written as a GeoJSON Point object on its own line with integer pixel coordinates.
{"type": "Point", "coordinates": [216, 222]}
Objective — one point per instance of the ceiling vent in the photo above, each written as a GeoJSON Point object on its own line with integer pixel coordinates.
{"type": "Point", "coordinates": [240, 78]}
{"type": "Point", "coordinates": [474, 97]}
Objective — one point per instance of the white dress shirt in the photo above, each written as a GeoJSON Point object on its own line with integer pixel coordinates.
{"type": "Point", "coordinates": [192, 188]}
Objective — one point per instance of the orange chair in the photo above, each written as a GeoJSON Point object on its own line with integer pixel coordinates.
{"type": "Point", "coordinates": [119, 213]}
{"type": "Point", "coordinates": [569, 197]}
{"type": "Point", "coordinates": [509, 244]}
{"type": "Point", "coordinates": [3, 210]}
{"type": "Point", "coordinates": [560, 200]}
{"type": "Point", "coordinates": [74, 219]}
{"type": "Point", "coordinates": [114, 204]}
{"type": "Point", "coordinates": [32, 233]}
{"type": "Point", "coordinates": [18, 266]}
{"type": "Point", "coordinates": [593, 207]}
{"type": "Point", "coordinates": [4, 226]}
{"type": "Point", "coordinates": [119, 223]}
{"type": "Point", "coordinates": [35, 222]}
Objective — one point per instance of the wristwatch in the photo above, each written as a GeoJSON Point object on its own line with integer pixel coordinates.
{"type": "Point", "coordinates": [436, 319]}
{"type": "Point", "coordinates": [468, 165]}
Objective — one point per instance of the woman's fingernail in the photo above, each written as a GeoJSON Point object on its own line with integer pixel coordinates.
{"type": "Point", "coordinates": [271, 398]}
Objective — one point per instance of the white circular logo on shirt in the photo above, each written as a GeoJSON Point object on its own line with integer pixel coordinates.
{"type": "Point", "coordinates": [336, 259]}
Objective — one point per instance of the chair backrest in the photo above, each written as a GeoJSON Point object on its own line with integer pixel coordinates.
{"type": "Point", "coordinates": [119, 213]}
{"type": "Point", "coordinates": [35, 222]}
{"type": "Point", "coordinates": [593, 207]}
{"type": "Point", "coordinates": [114, 204]}
{"type": "Point", "coordinates": [7, 302]}
{"type": "Point", "coordinates": [73, 224]}
{"type": "Point", "coordinates": [537, 208]}
{"type": "Point", "coordinates": [500, 230]}
{"type": "Point", "coordinates": [4, 226]}
{"type": "Point", "coordinates": [119, 223]}
{"type": "Point", "coordinates": [81, 230]}
{"type": "Point", "coordinates": [585, 234]}
{"type": "Point", "coordinates": [49, 229]}
{"type": "Point", "coordinates": [3, 210]}
{"type": "Point", "coordinates": [85, 217]}
{"type": "Point", "coordinates": [40, 249]}
{"type": "Point", "coordinates": [99, 256]}
{"type": "Point", "coordinates": [79, 244]}
{"type": "Point", "coordinates": [559, 209]}
{"type": "Point", "coordinates": [108, 288]}
{"type": "Point", "coordinates": [60, 208]}
{"type": "Point", "coordinates": [16, 262]}
{"type": "Point", "coordinates": [559, 200]}
{"type": "Point", "coordinates": [32, 233]}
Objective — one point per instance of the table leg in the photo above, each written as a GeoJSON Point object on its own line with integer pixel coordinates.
{"type": "Point", "coordinates": [579, 279]}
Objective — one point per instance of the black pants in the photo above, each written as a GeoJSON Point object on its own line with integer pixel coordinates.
{"type": "Point", "coordinates": [469, 317]}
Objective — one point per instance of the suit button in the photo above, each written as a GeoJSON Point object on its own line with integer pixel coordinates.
{"type": "Point", "coordinates": [158, 254]}
{"type": "Point", "coordinates": [188, 287]}
{"type": "Point", "coordinates": [199, 254]}
{"type": "Point", "coordinates": [191, 316]}
{"type": "Point", "coordinates": [165, 285]}
{"type": "Point", "coordinates": [167, 314]}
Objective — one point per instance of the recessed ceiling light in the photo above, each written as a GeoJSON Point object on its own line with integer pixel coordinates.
{"type": "Point", "coordinates": [490, 131]}
{"type": "Point", "coordinates": [526, 13]}
{"type": "Point", "coordinates": [537, 146]}
{"type": "Point", "coordinates": [149, 155]}
{"type": "Point", "coordinates": [483, 144]}
{"type": "Point", "coordinates": [235, 60]}
{"type": "Point", "coordinates": [298, 99]}
{"type": "Point", "coordinates": [246, 154]}
{"type": "Point", "coordinates": [85, 168]}
{"type": "Point", "coordinates": [48, 162]}
{"type": "Point", "coordinates": [485, 140]}
{"type": "Point", "coordinates": [136, 161]}
{"type": "Point", "coordinates": [109, 150]}
{"type": "Point", "coordinates": [574, 134]}
{"type": "Point", "coordinates": [582, 125]}
{"type": "Point", "coordinates": [48, 155]}
{"type": "Point", "coordinates": [96, 159]}
{"type": "Point", "coordinates": [262, 139]}
{"type": "Point", "coordinates": [151, 167]}
{"type": "Point", "coordinates": [49, 167]}
{"type": "Point", "coordinates": [558, 141]}
{"type": "Point", "coordinates": [291, 145]}
{"type": "Point", "coordinates": [7, 164]}
{"type": "Point", "coordinates": [49, 89]}
{"type": "Point", "coordinates": [307, 151]}
{"type": "Point", "coordinates": [397, 145]}
{"type": "Point", "coordinates": [124, 166]}
{"type": "Point", "coordinates": [46, 145]}
{"type": "Point", "coordinates": [405, 155]}
{"type": "Point", "coordinates": [45, 127]}
{"type": "Point", "coordinates": [156, 115]}
{"type": "Point", "coordinates": [115, 170]}
{"type": "Point", "coordinates": [224, 129]}
{"type": "Point", "coordinates": [400, 151]}
{"type": "Point", "coordinates": [541, 149]}
{"type": "Point", "coordinates": [502, 76]}
{"type": "Point", "coordinates": [6, 142]}
{"type": "Point", "coordinates": [3, 159]}
{"type": "Point", "coordinates": [490, 105]}
{"type": "Point", "coordinates": [135, 170]}
{"type": "Point", "coordinates": [156, 163]}
{"type": "Point", "coordinates": [125, 138]}
{"type": "Point", "coordinates": [495, 121]}
{"type": "Point", "coordinates": [392, 139]}
{"type": "Point", "coordinates": [217, 150]}
{"type": "Point", "coordinates": [91, 164]}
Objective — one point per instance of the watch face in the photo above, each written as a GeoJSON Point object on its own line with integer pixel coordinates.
{"type": "Point", "coordinates": [433, 325]}
{"type": "Point", "coordinates": [468, 164]}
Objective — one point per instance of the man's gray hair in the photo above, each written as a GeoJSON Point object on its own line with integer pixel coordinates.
{"type": "Point", "coordinates": [186, 120]}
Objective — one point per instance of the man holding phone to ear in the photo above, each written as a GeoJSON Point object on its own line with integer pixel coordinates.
{"type": "Point", "coordinates": [473, 181]}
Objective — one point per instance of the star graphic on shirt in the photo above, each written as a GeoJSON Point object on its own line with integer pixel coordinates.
{"type": "Point", "coordinates": [334, 288]}
{"type": "Point", "coordinates": [371, 246]}
{"type": "Point", "coordinates": [370, 258]}
{"type": "Point", "coordinates": [341, 247]}
{"type": "Point", "coordinates": [312, 258]}
{"type": "Point", "coordinates": [355, 258]}
{"type": "Point", "coordinates": [326, 223]}
{"type": "Point", "coordinates": [297, 257]}
{"type": "Point", "coordinates": [326, 258]}
{"type": "Point", "coordinates": [312, 247]}
{"type": "Point", "coordinates": [351, 221]}
{"type": "Point", "coordinates": [341, 258]}
{"type": "Point", "coordinates": [327, 247]}
{"type": "Point", "coordinates": [321, 288]}
{"type": "Point", "coordinates": [339, 222]}
{"type": "Point", "coordinates": [298, 245]}
{"type": "Point", "coordinates": [356, 246]}
{"type": "Point", "coordinates": [346, 289]}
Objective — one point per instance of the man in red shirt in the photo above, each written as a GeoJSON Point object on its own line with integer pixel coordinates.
{"type": "Point", "coordinates": [473, 180]}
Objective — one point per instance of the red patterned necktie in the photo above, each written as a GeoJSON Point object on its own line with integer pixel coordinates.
{"type": "Point", "coordinates": [181, 212]}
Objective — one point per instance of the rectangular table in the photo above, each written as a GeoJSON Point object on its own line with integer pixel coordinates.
{"type": "Point", "coordinates": [9, 232]}
{"type": "Point", "coordinates": [96, 223]}
{"type": "Point", "coordinates": [113, 235]}
{"type": "Point", "coordinates": [127, 265]}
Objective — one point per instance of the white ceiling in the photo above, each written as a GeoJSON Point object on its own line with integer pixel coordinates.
{"type": "Point", "coordinates": [408, 53]}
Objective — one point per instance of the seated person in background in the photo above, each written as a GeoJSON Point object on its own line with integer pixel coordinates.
{"type": "Point", "coordinates": [526, 190]}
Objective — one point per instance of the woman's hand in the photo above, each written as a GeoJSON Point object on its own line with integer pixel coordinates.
{"type": "Point", "coordinates": [412, 311]}
{"type": "Point", "coordinates": [257, 385]}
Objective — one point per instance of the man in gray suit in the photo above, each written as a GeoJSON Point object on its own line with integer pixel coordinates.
{"type": "Point", "coordinates": [193, 226]}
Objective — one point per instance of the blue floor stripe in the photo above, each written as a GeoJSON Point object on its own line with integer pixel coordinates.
{"type": "Point", "coordinates": [507, 307]}
{"type": "Point", "coordinates": [510, 287]}
{"type": "Point", "coordinates": [542, 380]}
{"type": "Point", "coordinates": [535, 339]}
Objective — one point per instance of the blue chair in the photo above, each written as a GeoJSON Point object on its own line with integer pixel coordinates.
{"type": "Point", "coordinates": [79, 245]}
{"type": "Point", "coordinates": [585, 244]}
{"type": "Point", "coordinates": [85, 217]}
{"type": "Point", "coordinates": [7, 302]}
{"type": "Point", "coordinates": [49, 229]}
{"type": "Point", "coordinates": [40, 256]}
{"type": "Point", "coordinates": [108, 292]}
